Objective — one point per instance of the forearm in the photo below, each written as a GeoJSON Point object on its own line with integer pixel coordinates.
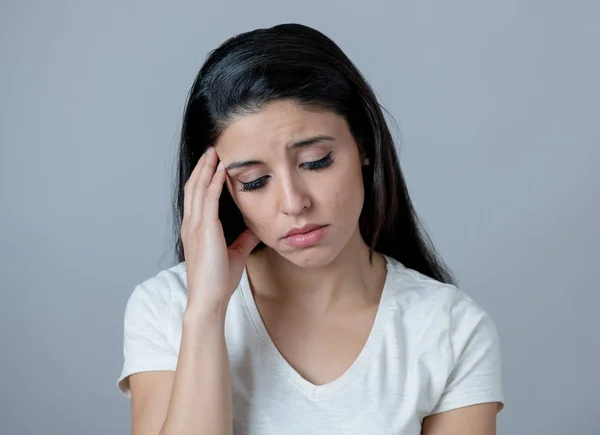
{"type": "Point", "coordinates": [200, 401]}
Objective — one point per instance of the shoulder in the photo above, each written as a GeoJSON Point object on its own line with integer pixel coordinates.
{"type": "Point", "coordinates": [147, 339]}
{"type": "Point", "coordinates": [442, 307]}
{"type": "Point", "coordinates": [411, 290]}
{"type": "Point", "coordinates": [452, 336]}
{"type": "Point", "coordinates": [153, 297]}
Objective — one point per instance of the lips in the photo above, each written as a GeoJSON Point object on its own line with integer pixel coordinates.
{"type": "Point", "coordinates": [303, 229]}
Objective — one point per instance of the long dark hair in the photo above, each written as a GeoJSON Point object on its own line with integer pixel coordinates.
{"type": "Point", "coordinates": [298, 63]}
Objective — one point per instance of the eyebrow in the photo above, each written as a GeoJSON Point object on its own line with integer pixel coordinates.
{"type": "Point", "coordinates": [300, 144]}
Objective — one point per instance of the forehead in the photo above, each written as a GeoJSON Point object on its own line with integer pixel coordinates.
{"type": "Point", "coordinates": [279, 124]}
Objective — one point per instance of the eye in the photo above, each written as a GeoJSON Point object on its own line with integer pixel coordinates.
{"type": "Point", "coordinates": [253, 185]}
{"type": "Point", "coordinates": [319, 164]}
{"type": "Point", "coordinates": [311, 166]}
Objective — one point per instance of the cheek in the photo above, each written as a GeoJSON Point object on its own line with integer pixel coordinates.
{"type": "Point", "coordinates": [257, 211]}
{"type": "Point", "coordinates": [255, 214]}
{"type": "Point", "coordinates": [258, 225]}
{"type": "Point", "coordinates": [346, 200]}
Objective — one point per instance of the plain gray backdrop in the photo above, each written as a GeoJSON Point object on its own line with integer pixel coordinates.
{"type": "Point", "coordinates": [497, 105]}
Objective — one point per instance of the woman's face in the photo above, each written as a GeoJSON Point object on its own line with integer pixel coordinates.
{"type": "Point", "coordinates": [289, 167]}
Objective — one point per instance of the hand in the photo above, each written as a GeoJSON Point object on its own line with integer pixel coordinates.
{"type": "Point", "coordinates": [213, 269]}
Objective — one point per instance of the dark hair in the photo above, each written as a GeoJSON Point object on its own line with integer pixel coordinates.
{"type": "Point", "coordinates": [297, 63]}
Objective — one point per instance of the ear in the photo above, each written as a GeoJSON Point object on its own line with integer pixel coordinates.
{"type": "Point", "coordinates": [364, 159]}
{"type": "Point", "coordinates": [361, 150]}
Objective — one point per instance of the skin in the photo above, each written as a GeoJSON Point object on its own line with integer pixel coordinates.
{"type": "Point", "coordinates": [336, 270]}
{"type": "Point", "coordinates": [323, 298]}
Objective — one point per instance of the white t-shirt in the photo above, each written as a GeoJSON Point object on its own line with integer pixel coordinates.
{"type": "Point", "coordinates": [431, 349]}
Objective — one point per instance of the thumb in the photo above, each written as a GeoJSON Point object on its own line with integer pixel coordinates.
{"type": "Point", "coordinates": [244, 244]}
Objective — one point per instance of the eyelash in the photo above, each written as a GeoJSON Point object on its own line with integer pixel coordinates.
{"type": "Point", "coordinates": [311, 166]}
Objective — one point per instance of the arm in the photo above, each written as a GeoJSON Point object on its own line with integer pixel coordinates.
{"type": "Point", "coordinates": [470, 420]}
{"type": "Point", "coordinates": [195, 397]}
{"type": "Point", "coordinates": [201, 398]}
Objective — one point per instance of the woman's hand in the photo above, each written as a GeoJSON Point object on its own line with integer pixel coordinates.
{"type": "Point", "coordinates": [213, 270]}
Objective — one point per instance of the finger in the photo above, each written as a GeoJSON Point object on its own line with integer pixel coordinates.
{"type": "Point", "coordinates": [213, 194]}
{"type": "Point", "coordinates": [244, 244]}
{"type": "Point", "coordinates": [208, 171]}
{"type": "Point", "coordinates": [204, 179]}
{"type": "Point", "coordinates": [198, 192]}
{"type": "Point", "coordinates": [190, 186]}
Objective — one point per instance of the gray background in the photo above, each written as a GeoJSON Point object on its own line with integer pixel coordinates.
{"type": "Point", "coordinates": [497, 104]}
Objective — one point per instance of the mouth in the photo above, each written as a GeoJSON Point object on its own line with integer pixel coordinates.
{"type": "Point", "coordinates": [302, 230]}
{"type": "Point", "coordinates": [306, 236]}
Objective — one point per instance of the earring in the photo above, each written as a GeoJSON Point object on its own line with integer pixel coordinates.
{"type": "Point", "coordinates": [366, 162]}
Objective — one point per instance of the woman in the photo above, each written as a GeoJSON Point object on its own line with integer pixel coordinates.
{"type": "Point", "coordinates": [306, 300]}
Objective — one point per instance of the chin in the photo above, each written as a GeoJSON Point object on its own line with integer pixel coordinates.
{"type": "Point", "coordinates": [312, 258]}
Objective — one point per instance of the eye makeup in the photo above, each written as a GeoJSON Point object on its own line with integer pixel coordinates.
{"type": "Point", "coordinates": [324, 163]}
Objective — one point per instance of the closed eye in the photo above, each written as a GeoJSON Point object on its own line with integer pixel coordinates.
{"type": "Point", "coordinates": [325, 162]}
{"type": "Point", "coordinates": [311, 166]}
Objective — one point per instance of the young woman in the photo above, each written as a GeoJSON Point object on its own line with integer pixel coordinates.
{"type": "Point", "coordinates": [306, 298]}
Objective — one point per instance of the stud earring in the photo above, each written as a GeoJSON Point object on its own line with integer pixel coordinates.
{"type": "Point", "coordinates": [366, 162]}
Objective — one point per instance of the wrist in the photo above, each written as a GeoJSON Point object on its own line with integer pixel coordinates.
{"type": "Point", "coordinates": [205, 313]}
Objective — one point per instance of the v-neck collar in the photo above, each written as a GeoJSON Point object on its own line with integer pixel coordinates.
{"type": "Point", "coordinates": [317, 392]}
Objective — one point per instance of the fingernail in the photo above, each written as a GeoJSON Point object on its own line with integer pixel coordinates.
{"type": "Point", "coordinates": [220, 166]}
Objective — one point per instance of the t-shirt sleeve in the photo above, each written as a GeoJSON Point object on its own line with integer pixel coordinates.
{"type": "Point", "coordinates": [145, 343]}
{"type": "Point", "coordinates": [476, 374]}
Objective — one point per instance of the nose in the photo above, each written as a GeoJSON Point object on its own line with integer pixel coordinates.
{"type": "Point", "coordinates": [295, 197]}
